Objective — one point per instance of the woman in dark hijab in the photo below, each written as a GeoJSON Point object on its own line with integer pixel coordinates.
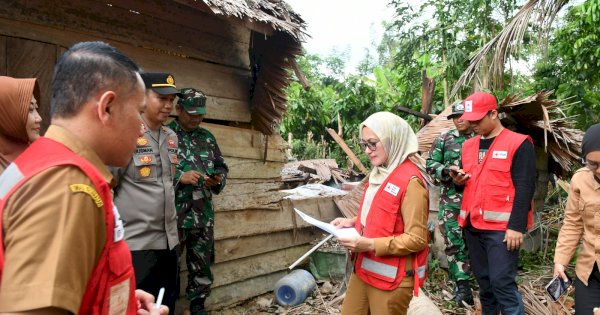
{"type": "Point", "coordinates": [581, 223]}
{"type": "Point", "coordinates": [19, 118]}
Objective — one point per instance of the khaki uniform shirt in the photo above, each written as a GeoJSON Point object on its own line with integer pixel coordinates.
{"type": "Point", "coordinates": [53, 236]}
{"type": "Point", "coordinates": [144, 193]}
{"type": "Point", "coordinates": [582, 222]}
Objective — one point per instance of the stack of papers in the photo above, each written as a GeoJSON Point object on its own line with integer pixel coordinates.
{"type": "Point", "coordinates": [343, 232]}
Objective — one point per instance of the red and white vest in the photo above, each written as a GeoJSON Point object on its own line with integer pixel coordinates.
{"type": "Point", "coordinates": [385, 219]}
{"type": "Point", "coordinates": [489, 193]}
{"type": "Point", "coordinates": [111, 288]}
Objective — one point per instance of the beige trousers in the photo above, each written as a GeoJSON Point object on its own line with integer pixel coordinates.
{"type": "Point", "coordinates": [364, 299]}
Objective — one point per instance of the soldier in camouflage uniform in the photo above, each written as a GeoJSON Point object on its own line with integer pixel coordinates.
{"type": "Point", "coordinates": [201, 173]}
{"type": "Point", "coordinates": [445, 153]}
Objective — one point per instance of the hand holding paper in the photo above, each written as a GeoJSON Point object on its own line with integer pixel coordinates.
{"type": "Point", "coordinates": [343, 232]}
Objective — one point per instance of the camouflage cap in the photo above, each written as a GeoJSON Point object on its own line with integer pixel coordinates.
{"type": "Point", "coordinates": [457, 110]}
{"type": "Point", "coordinates": [193, 101]}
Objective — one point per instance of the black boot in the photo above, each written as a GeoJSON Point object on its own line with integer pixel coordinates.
{"type": "Point", "coordinates": [463, 292]}
{"type": "Point", "coordinates": [197, 307]}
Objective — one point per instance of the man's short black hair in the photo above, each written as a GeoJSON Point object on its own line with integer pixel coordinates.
{"type": "Point", "coordinates": [84, 70]}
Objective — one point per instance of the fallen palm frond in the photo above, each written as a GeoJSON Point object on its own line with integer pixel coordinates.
{"type": "Point", "coordinates": [509, 40]}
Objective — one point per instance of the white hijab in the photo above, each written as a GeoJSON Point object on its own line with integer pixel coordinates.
{"type": "Point", "coordinates": [399, 142]}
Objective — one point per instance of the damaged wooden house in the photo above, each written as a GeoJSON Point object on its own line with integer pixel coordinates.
{"type": "Point", "coordinates": [241, 54]}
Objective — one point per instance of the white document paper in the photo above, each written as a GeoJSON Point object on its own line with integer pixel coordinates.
{"type": "Point", "coordinates": [343, 232]}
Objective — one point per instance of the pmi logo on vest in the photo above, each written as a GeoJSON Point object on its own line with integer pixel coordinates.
{"type": "Point", "coordinates": [500, 155]}
{"type": "Point", "coordinates": [392, 189]}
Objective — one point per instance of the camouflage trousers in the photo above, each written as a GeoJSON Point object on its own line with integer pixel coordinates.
{"type": "Point", "coordinates": [200, 255]}
{"type": "Point", "coordinates": [455, 248]}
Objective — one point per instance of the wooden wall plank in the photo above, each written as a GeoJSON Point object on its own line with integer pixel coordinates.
{"type": "Point", "coordinates": [227, 88]}
{"type": "Point", "coordinates": [213, 39]}
{"type": "Point", "coordinates": [226, 109]}
{"type": "Point", "coordinates": [246, 143]}
{"type": "Point", "coordinates": [32, 59]}
{"type": "Point", "coordinates": [257, 265]}
{"type": "Point", "coordinates": [242, 194]}
{"type": "Point", "coordinates": [3, 55]}
{"type": "Point", "coordinates": [214, 80]}
{"type": "Point", "coordinates": [240, 291]}
{"type": "Point", "coordinates": [238, 247]}
{"type": "Point", "coordinates": [249, 168]}
{"type": "Point", "coordinates": [247, 222]}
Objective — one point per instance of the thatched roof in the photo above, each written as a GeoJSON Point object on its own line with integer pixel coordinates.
{"type": "Point", "coordinates": [541, 118]}
{"type": "Point", "coordinates": [434, 128]}
{"type": "Point", "coordinates": [536, 116]}
{"type": "Point", "coordinates": [273, 56]}
{"type": "Point", "coordinates": [276, 13]}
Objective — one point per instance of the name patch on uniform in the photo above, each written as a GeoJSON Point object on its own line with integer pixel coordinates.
{"type": "Point", "coordinates": [500, 155]}
{"type": "Point", "coordinates": [143, 150]}
{"type": "Point", "coordinates": [392, 189]}
{"type": "Point", "coordinates": [172, 150]}
{"type": "Point", "coordinates": [87, 189]}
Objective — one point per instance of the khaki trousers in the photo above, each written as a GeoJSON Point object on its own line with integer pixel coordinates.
{"type": "Point", "coordinates": [364, 299]}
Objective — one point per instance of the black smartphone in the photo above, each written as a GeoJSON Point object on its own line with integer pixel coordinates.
{"type": "Point", "coordinates": [557, 287]}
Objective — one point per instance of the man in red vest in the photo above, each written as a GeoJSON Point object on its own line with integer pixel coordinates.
{"type": "Point", "coordinates": [62, 244]}
{"type": "Point", "coordinates": [498, 173]}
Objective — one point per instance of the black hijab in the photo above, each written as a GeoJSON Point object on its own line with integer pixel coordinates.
{"type": "Point", "coordinates": [591, 140]}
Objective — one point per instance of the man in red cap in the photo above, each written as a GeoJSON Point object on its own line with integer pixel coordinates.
{"type": "Point", "coordinates": [498, 173]}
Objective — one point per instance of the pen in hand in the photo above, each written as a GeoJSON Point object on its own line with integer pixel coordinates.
{"type": "Point", "coordinates": [159, 298]}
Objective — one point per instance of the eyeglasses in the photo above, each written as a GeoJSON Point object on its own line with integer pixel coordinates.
{"type": "Point", "coordinates": [592, 165]}
{"type": "Point", "coordinates": [371, 144]}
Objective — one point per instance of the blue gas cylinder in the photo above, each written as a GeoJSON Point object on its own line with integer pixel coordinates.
{"type": "Point", "coordinates": [294, 288]}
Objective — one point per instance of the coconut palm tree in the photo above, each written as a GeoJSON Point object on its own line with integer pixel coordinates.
{"type": "Point", "coordinates": [487, 64]}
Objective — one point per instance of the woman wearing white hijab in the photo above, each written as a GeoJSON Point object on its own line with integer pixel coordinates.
{"type": "Point", "coordinates": [390, 260]}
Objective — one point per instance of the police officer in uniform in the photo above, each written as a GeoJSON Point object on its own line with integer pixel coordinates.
{"type": "Point", "coordinates": [446, 151]}
{"type": "Point", "coordinates": [200, 174]}
{"type": "Point", "coordinates": [145, 194]}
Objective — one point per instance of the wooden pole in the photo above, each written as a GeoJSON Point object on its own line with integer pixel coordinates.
{"type": "Point", "coordinates": [346, 149]}
{"type": "Point", "coordinates": [427, 90]}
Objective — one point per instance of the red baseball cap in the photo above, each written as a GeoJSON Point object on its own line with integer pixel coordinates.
{"type": "Point", "coordinates": [477, 105]}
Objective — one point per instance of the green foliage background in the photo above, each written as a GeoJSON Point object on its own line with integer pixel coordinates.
{"type": "Point", "coordinates": [438, 37]}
